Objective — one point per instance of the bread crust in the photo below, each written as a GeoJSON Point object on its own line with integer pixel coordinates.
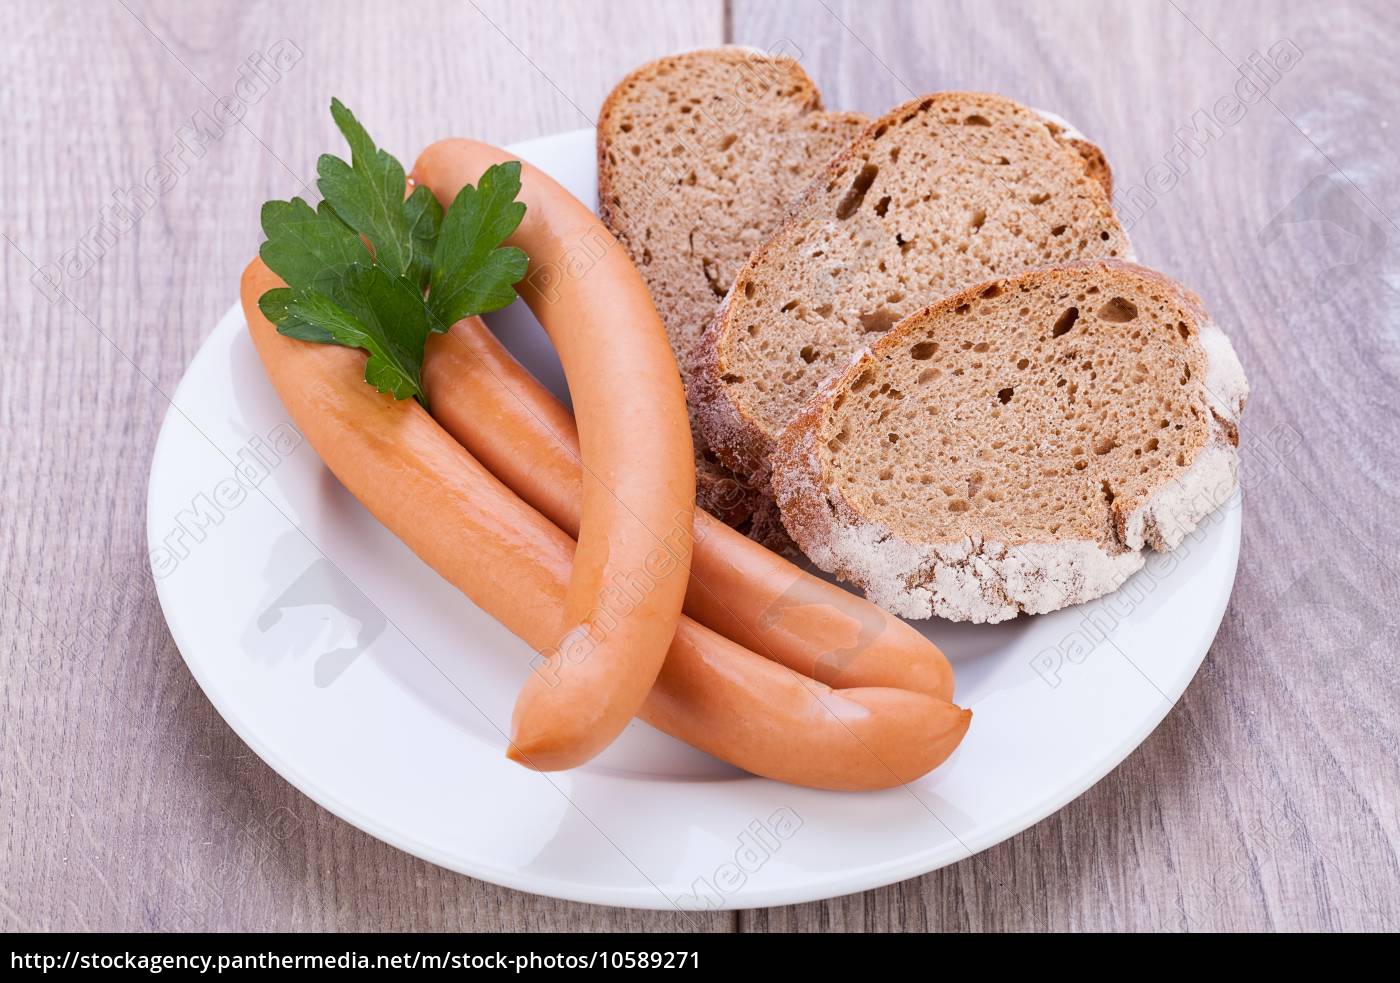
{"type": "Point", "coordinates": [1095, 163]}
{"type": "Point", "coordinates": [744, 443]}
{"type": "Point", "coordinates": [983, 580]}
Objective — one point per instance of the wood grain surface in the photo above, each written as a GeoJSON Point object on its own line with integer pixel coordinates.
{"type": "Point", "coordinates": [1268, 799]}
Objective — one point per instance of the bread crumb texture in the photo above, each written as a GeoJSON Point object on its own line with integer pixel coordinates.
{"type": "Point", "coordinates": [1015, 447]}
{"type": "Point", "coordinates": [699, 157]}
{"type": "Point", "coordinates": [942, 192]}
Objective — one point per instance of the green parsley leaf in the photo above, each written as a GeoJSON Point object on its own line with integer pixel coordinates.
{"type": "Point", "coordinates": [303, 243]}
{"type": "Point", "coordinates": [341, 291]}
{"type": "Point", "coordinates": [424, 216]}
{"type": "Point", "coordinates": [276, 307]}
{"type": "Point", "coordinates": [472, 273]}
{"type": "Point", "coordinates": [368, 195]}
{"type": "Point", "coordinates": [365, 307]}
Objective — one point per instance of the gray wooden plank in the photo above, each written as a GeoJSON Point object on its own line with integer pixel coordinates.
{"type": "Point", "coordinates": [125, 802]}
{"type": "Point", "coordinates": [1266, 800]}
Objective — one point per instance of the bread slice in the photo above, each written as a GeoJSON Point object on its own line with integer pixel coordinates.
{"type": "Point", "coordinates": [699, 156]}
{"type": "Point", "coordinates": [1015, 447]}
{"type": "Point", "coordinates": [942, 192]}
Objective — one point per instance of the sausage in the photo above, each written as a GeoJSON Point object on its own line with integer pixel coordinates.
{"type": "Point", "coordinates": [638, 492]}
{"type": "Point", "coordinates": [515, 565]}
{"type": "Point", "coordinates": [514, 426]}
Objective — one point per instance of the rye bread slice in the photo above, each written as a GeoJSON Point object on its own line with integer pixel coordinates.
{"type": "Point", "coordinates": [942, 192]}
{"type": "Point", "coordinates": [1015, 447]}
{"type": "Point", "coordinates": [699, 157]}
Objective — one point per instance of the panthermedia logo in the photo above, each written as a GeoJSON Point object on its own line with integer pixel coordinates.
{"type": "Point", "coordinates": [1355, 244]}
{"type": "Point", "coordinates": [322, 613]}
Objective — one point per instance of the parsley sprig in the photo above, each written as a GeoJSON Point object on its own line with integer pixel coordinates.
{"type": "Point", "coordinates": [341, 291]}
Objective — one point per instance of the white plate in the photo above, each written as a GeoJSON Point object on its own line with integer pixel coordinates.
{"type": "Point", "coordinates": [381, 692]}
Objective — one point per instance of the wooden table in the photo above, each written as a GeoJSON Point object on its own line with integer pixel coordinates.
{"type": "Point", "coordinates": [1269, 799]}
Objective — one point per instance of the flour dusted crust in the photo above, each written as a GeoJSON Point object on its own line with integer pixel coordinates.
{"type": "Point", "coordinates": [722, 395]}
{"type": "Point", "coordinates": [1163, 521]}
{"type": "Point", "coordinates": [973, 580]}
{"type": "Point", "coordinates": [983, 578]}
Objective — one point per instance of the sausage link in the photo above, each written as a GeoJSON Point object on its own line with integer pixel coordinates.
{"type": "Point", "coordinates": [638, 492]}
{"type": "Point", "coordinates": [515, 565]}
